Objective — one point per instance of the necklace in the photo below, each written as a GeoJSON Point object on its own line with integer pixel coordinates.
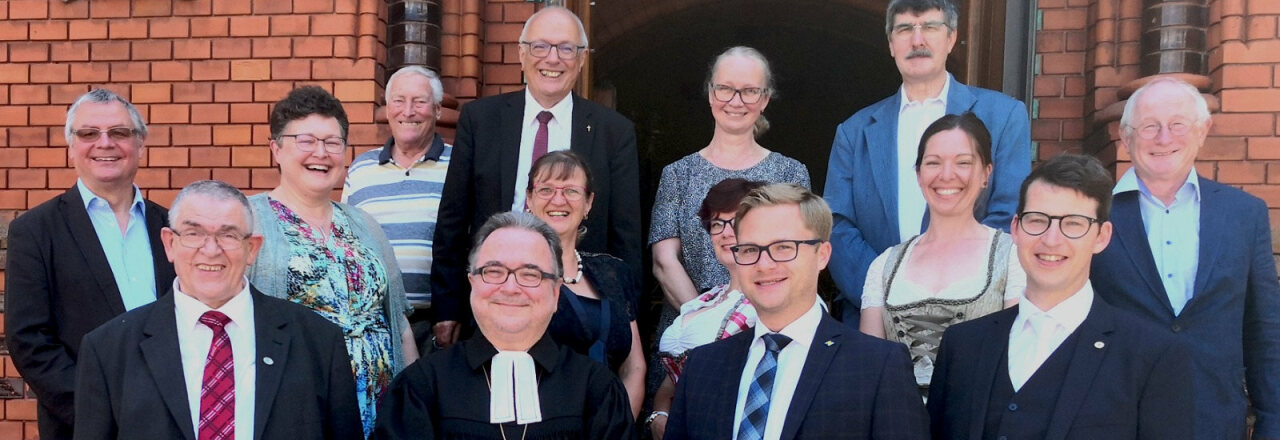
{"type": "Point", "coordinates": [501, 430]}
{"type": "Point", "coordinates": [577, 277]}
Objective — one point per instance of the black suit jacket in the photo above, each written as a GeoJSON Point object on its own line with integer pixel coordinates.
{"type": "Point", "coordinates": [482, 177]}
{"type": "Point", "coordinates": [131, 383]}
{"type": "Point", "coordinates": [58, 287]}
{"type": "Point", "coordinates": [1126, 380]}
{"type": "Point", "coordinates": [852, 386]}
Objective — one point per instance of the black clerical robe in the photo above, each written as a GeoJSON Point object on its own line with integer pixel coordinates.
{"type": "Point", "coordinates": [446, 396]}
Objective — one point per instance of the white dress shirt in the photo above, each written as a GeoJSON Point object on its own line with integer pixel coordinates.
{"type": "Point", "coordinates": [913, 118]}
{"type": "Point", "coordinates": [1036, 333]}
{"type": "Point", "coordinates": [194, 339]}
{"type": "Point", "coordinates": [559, 133]}
{"type": "Point", "coordinates": [1173, 232]}
{"type": "Point", "coordinates": [790, 363]}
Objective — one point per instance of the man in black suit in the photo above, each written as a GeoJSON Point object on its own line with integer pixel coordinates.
{"type": "Point", "coordinates": [78, 260]}
{"type": "Point", "coordinates": [801, 374]}
{"type": "Point", "coordinates": [499, 137]}
{"type": "Point", "coordinates": [216, 359]}
{"type": "Point", "coordinates": [1062, 364]}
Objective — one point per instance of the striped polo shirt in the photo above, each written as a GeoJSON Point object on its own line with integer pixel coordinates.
{"type": "Point", "coordinates": [405, 202]}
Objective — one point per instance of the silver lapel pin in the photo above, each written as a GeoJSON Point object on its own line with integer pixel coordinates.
{"type": "Point", "coordinates": [267, 360]}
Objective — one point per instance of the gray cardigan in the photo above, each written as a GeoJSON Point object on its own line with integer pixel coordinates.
{"type": "Point", "coordinates": [267, 273]}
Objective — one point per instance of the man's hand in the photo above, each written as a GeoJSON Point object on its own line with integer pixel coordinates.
{"type": "Point", "coordinates": [446, 333]}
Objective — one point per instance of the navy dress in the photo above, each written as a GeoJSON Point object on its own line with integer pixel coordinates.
{"type": "Point", "coordinates": [613, 280]}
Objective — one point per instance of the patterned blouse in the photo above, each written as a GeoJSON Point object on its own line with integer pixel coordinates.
{"type": "Point", "coordinates": [344, 281]}
{"type": "Point", "coordinates": [680, 192]}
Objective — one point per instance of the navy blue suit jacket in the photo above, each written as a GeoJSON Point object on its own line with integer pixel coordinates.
{"type": "Point", "coordinates": [857, 387]}
{"type": "Point", "coordinates": [1232, 321]}
{"type": "Point", "coordinates": [1126, 379]}
{"type": "Point", "coordinates": [862, 180]}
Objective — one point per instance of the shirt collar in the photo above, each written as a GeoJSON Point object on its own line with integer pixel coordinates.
{"type": "Point", "coordinates": [88, 197]}
{"type": "Point", "coordinates": [1130, 182]}
{"type": "Point", "coordinates": [239, 308]}
{"type": "Point", "coordinates": [561, 110]}
{"type": "Point", "coordinates": [479, 351]}
{"type": "Point", "coordinates": [433, 153]}
{"type": "Point", "coordinates": [1069, 313]}
{"type": "Point", "coordinates": [801, 330]}
{"type": "Point", "coordinates": [941, 98]}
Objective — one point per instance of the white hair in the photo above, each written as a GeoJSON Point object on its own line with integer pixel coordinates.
{"type": "Point", "coordinates": [582, 30]}
{"type": "Point", "coordinates": [437, 89]}
{"type": "Point", "coordinates": [1201, 107]}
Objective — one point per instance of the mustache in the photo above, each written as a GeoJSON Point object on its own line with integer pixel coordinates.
{"type": "Point", "coordinates": [916, 53]}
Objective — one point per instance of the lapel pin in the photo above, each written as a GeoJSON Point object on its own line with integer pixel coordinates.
{"type": "Point", "coordinates": [1099, 345]}
{"type": "Point", "coordinates": [267, 360]}
{"type": "Point", "coordinates": [588, 128]}
{"type": "Point", "coordinates": [829, 343]}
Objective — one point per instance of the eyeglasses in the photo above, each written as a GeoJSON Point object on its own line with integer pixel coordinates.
{"type": "Point", "coordinates": [930, 28]}
{"type": "Point", "coordinates": [571, 193]}
{"type": "Point", "coordinates": [196, 239]}
{"type": "Point", "coordinates": [526, 276]}
{"type": "Point", "coordinates": [716, 226]}
{"type": "Point", "coordinates": [1073, 226]}
{"type": "Point", "coordinates": [1151, 130]}
{"type": "Point", "coordinates": [307, 143]}
{"type": "Point", "coordinates": [540, 49]}
{"type": "Point", "coordinates": [750, 95]}
{"type": "Point", "coordinates": [780, 251]}
{"type": "Point", "coordinates": [116, 134]}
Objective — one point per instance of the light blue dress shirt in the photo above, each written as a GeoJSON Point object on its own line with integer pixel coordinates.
{"type": "Point", "coordinates": [129, 254]}
{"type": "Point", "coordinates": [1173, 231]}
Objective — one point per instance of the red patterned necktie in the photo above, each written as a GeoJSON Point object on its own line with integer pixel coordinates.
{"type": "Point", "coordinates": [218, 390]}
{"type": "Point", "coordinates": [540, 139]}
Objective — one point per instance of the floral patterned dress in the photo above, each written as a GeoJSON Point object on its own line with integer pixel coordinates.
{"type": "Point", "coordinates": [343, 280]}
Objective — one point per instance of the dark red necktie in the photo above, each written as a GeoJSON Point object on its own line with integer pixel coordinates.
{"type": "Point", "coordinates": [540, 139]}
{"type": "Point", "coordinates": [218, 390]}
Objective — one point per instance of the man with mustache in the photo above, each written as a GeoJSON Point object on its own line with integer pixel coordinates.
{"type": "Point", "coordinates": [870, 180]}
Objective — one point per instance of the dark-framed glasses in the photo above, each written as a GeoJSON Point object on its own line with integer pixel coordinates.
{"type": "Point", "coordinates": [1072, 225]}
{"type": "Point", "coordinates": [1151, 130]}
{"type": "Point", "coordinates": [903, 30]}
{"type": "Point", "coordinates": [307, 143]}
{"type": "Point", "coordinates": [540, 49]}
{"type": "Point", "coordinates": [716, 226]}
{"type": "Point", "coordinates": [526, 276]}
{"type": "Point", "coordinates": [195, 239]}
{"type": "Point", "coordinates": [571, 193]}
{"type": "Point", "coordinates": [116, 134]}
{"type": "Point", "coordinates": [780, 251]}
{"type": "Point", "coordinates": [750, 95]}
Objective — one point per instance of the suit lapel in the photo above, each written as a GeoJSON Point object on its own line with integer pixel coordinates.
{"type": "Point", "coordinates": [272, 344]}
{"type": "Point", "coordinates": [992, 351]}
{"type": "Point", "coordinates": [1090, 350]}
{"type": "Point", "coordinates": [1131, 235]}
{"type": "Point", "coordinates": [86, 238]}
{"type": "Point", "coordinates": [511, 121]}
{"type": "Point", "coordinates": [727, 379]}
{"type": "Point", "coordinates": [1212, 212]}
{"type": "Point", "coordinates": [581, 139]}
{"type": "Point", "coordinates": [815, 367]}
{"type": "Point", "coordinates": [163, 358]}
{"type": "Point", "coordinates": [882, 147]}
{"type": "Point", "coordinates": [155, 221]}
{"type": "Point", "coordinates": [959, 98]}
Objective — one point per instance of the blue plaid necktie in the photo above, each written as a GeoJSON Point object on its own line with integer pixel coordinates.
{"type": "Point", "coordinates": [756, 411]}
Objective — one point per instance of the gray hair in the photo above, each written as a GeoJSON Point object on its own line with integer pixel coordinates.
{"type": "Point", "coordinates": [950, 12]}
{"type": "Point", "coordinates": [213, 189]}
{"type": "Point", "coordinates": [102, 96]}
{"type": "Point", "coordinates": [519, 220]}
{"type": "Point", "coordinates": [762, 124]}
{"type": "Point", "coordinates": [1197, 100]}
{"type": "Point", "coordinates": [437, 89]}
{"type": "Point", "coordinates": [582, 30]}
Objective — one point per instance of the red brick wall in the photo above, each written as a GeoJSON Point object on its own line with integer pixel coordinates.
{"type": "Point", "coordinates": [203, 73]}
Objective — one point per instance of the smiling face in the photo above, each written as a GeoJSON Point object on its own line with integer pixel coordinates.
{"type": "Point", "coordinates": [738, 72]}
{"type": "Point", "coordinates": [1166, 157]}
{"type": "Point", "coordinates": [551, 78]}
{"type": "Point", "coordinates": [1058, 266]}
{"type": "Point", "coordinates": [564, 215]}
{"type": "Point", "coordinates": [104, 162]}
{"type": "Point", "coordinates": [951, 174]}
{"type": "Point", "coordinates": [509, 311]}
{"type": "Point", "coordinates": [724, 240]}
{"type": "Point", "coordinates": [315, 173]}
{"type": "Point", "coordinates": [921, 56]}
{"type": "Point", "coordinates": [780, 292]}
{"type": "Point", "coordinates": [210, 274]}
{"type": "Point", "coordinates": [411, 110]}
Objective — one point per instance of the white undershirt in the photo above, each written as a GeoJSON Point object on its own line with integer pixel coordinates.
{"type": "Point", "coordinates": [559, 134]}
{"type": "Point", "coordinates": [194, 339]}
{"type": "Point", "coordinates": [790, 364]}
